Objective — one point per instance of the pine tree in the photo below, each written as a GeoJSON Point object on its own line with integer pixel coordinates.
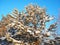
{"type": "Point", "coordinates": [32, 21]}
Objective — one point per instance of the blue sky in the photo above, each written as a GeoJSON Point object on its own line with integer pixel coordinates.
{"type": "Point", "coordinates": [52, 6]}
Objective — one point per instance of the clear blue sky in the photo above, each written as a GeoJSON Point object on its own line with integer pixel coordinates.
{"type": "Point", "coordinates": [52, 6]}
